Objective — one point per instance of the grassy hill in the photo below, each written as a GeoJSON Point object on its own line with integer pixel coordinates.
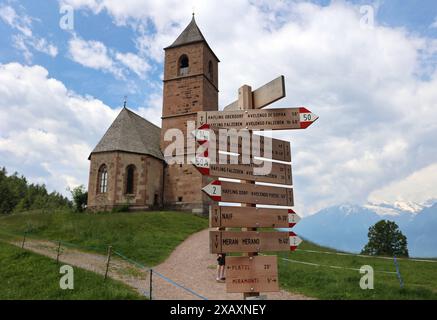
{"type": "Point", "coordinates": [148, 237]}
{"type": "Point", "coordinates": [336, 277]}
{"type": "Point", "coordinates": [25, 275]}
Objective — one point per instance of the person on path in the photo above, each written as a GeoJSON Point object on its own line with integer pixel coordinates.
{"type": "Point", "coordinates": [221, 261]}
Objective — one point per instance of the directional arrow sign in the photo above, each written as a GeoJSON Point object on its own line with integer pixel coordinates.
{"type": "Point", "coordinates": [244, 143]}
{"type": "Point", "coordinates": [278, 173]}
{"type": "Point", "coordinates": [234, 217]}
{"type": "Point", "coordinates": [265, 95]}
{"type": "Point", "coordinates": [252, 274]}
{"type": "Point", "coordinates": [266, 119]}
{"type": "Point", "coordinates": [252, 241]}
{"type": "Point", "coordinates": [249, 193]}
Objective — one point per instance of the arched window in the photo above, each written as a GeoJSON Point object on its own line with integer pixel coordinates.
{"type": "Point", "coordinates": [103, 179]}
{"type": "Point", "coordinates": [210, 70]}
{"type": "Point", "coordinates": [184, 63]}
{"type": "Point", "coordinates": [130, 179]}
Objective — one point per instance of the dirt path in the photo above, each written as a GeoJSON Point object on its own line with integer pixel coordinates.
{"type": "Point", "coordinates": [189, 265]}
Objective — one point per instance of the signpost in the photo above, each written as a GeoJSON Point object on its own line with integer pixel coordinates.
{"type": "Point", "coordinates": [252, 274]}
{"type": "Point", "coordinates": [280, 173]}
{"type": "Point", "coordinates": [266, 119]}
{"type": "Point", "coordinates": [249, 193]}
{"type": "Point", "coordinates": [265, 95]}
{"type": "Point", "coordinates": [250, 144]}
{"type": "Point", "coordinates": [235, 217]}
{"type": "Point", "coordinates": [252, 241]}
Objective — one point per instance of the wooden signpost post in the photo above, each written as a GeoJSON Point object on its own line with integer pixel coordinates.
{"type": "Point", "coordinates": [250, 273]}
{"type": "Point", "coordinates": [261, 97]}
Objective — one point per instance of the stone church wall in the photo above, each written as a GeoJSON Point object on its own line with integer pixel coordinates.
{"type": "Point", "coordinates": [148, 179]}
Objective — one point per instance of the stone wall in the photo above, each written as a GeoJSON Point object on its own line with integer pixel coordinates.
{"type": "Point", "coordinates": [148, 181]}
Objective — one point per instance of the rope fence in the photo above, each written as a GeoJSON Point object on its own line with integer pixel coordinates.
{"type": "Point", "coordinates": [365, 256]}
{"type": "Point", "coordinates": [332, 267]}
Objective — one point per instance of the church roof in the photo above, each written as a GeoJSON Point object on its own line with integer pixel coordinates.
{"type": "Point", "coordinates": [191, 34]}
{"type": "Point", "coordinates": [131, 133]}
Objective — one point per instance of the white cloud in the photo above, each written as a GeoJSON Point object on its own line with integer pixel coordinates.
{"type": "Point", "coordinates": [92, 54]}
{"type": "Point", "coordinates": [42, 45]}
{"type": "Point", "coordinates": [418, 187]}
{"type": "Point", "coordinates": [95, 55]}
{"type": "Point", "coordinates": [25, 38]}
{"type": "Point", "coordinates": [21, 23]}
{"type": "Point", "coordinates": [134, 63]}
{"type": "Point", "coordinates": [47, 131]}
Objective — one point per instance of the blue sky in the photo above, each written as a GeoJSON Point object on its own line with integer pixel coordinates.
{"type": "Point", "coordinates": [62, 88]}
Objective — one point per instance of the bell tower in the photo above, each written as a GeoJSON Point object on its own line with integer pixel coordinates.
{"type": "Point", "coordinates": [190, 85]}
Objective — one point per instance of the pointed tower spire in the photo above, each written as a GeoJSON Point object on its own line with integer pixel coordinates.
{"type": "Point", "coordinates": [191, 34]}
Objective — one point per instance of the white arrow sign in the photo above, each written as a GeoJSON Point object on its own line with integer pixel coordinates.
{"type": "Point", "coordinates": [294, 241]}
{"type": "Point", "coordinates": [293, 218]}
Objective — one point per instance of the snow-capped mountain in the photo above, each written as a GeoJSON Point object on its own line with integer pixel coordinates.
{"type": "Point", "coordinates": [345, 227]}
{"type": "Point", "coordinates": [396, 208]}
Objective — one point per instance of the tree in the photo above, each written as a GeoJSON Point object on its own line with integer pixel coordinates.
{"type": "Point", "coordinates": [17, 195]}
{"type": "Point", "coordinates": [385, 239]}
{"type": "Point", "coordinates": [80, 198]}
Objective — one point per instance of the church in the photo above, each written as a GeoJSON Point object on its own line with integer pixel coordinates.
{"type": "Point", "coordinates": [127, 167]}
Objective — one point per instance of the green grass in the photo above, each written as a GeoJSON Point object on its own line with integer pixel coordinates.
{"type": "Point", "coordinates": [147, 237]}
{"type": "Point", "coordinates": [420, 278]}
{"type": "Point", "coordinates": [150, 237]}
{"type": "Point", "coordinates": [29, 276]}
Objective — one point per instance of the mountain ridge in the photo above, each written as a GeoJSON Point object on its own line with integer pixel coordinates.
{"type": "Point", "coordinates": [345, 226]}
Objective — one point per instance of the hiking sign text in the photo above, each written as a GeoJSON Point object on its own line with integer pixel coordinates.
{"type": "Point", "coordinates": [278, 173]}
{"type": "Point", "coordinates": [252, 241]}
{"type": "Point", "coordinates": [265, 119]}
{"type": "Point", "coordinates": [249, 193]}
{"type": "Point", "coordinates": [243, 143]}
{"type": "Point", "coordinates": [252, 274]}
{"type": "Point", "coordinates": [234, 217]}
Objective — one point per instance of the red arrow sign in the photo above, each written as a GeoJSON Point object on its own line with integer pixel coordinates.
{"type": "Point", "coordinates": [265, 119]}
{"type": "Point", "coordinates": [294, 241]}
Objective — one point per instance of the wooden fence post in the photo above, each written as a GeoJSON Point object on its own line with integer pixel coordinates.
{"type": "Point", "coordinates": [245, 102]}
{"type": "Point", "coordinates": [108, 260]}
{"type": "Point", "coordinates": [150, 284]}
{"type": "Point", "coordinates": [24, 240]}
{"type": "Point", "coordinates": [58, 253]}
